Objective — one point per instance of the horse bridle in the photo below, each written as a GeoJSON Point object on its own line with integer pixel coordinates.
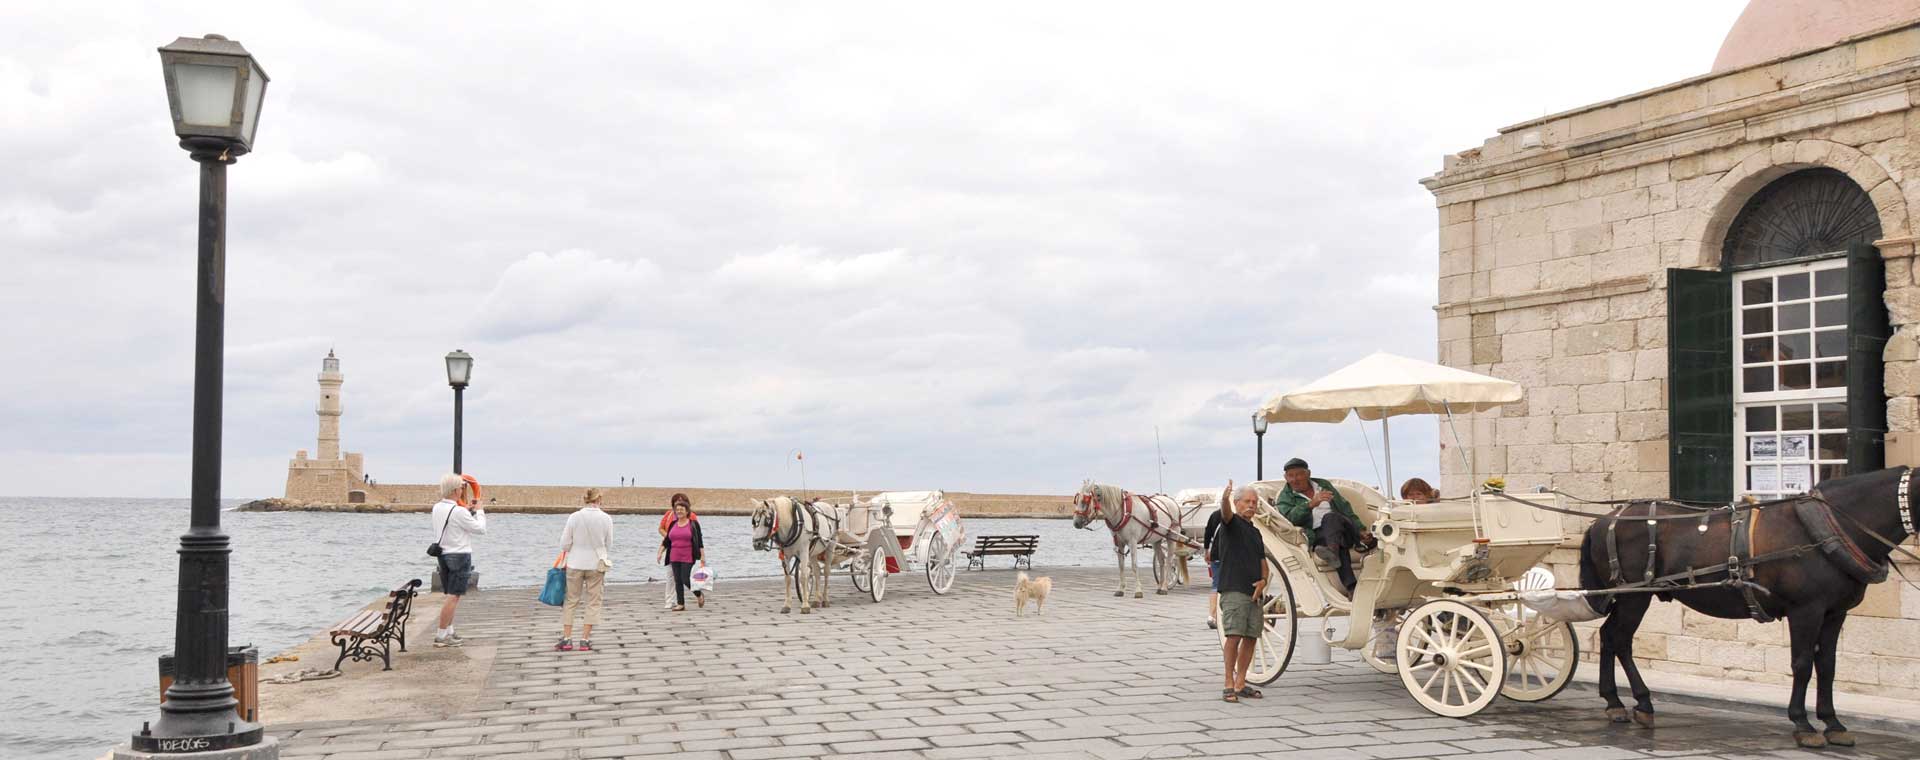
{"type": "Point", "coordinates": [1907, 517]}
{"type": "Point", "coordinates": [1094, 506]}
{"type": "Point", "coordinates": [773, 525]}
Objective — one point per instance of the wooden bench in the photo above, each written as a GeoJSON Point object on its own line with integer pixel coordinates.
{"type": "Point", "coordinates": [371, 633]}
{"type": "Point", "coordinates": [1020, 548]}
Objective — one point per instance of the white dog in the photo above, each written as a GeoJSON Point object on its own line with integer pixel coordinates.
{"type": "Point", "coordinates": [1031, 588]}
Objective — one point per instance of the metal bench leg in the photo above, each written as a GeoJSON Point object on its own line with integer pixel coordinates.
{"type": "Point", "coordinates": [386, 654]}
{"type": "Point", "coordinates": [343, 653]}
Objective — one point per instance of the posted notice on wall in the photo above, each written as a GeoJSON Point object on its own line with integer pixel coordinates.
{"type": "Point", "coordinates": [1796, 478]}
{"type": "Point", "coordinates": [1795, 446]}
{"type": "Point", "coordinates": [1763, 448]}
{"type": "Point", "coordinates": [1764, 478]}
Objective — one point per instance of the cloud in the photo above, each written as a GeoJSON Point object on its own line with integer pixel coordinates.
{"type": "Point", "coordinates": [791, 267]}
{"type": "Point", "coordinates": [545, 293]}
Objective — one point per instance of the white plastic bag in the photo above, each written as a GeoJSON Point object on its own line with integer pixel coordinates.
{"type": "Point", "coordinates": [702, 579]}
{"type": "Point", "coordinates": [1564, 606]}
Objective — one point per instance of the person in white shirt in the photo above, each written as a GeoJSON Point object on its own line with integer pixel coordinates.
{"type": "Point", "coordinates": [583, 545]}
{"type": "Point", "coordinates": [455, 525]}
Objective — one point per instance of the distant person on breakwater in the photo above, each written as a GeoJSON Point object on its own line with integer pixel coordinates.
{"type": "Point", "coordinates": [457, 525]}
{"type": "Point", "coordinates": [666, 521]}
{"type": "Point", "coordinates": [681, 548]}
{"type": "Point", "coordinates": [584, 542]}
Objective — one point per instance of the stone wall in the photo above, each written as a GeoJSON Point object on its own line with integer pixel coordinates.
{"type": "Point", "coordinates": [717, 501]}
{"type": "Point", "coordinates": [1554, 240]}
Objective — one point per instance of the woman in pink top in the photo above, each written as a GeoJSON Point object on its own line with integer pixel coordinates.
{"type": "Point", "coordinates": [680, 549]}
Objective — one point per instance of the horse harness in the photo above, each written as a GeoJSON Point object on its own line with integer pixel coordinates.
{"type": "Point", "coordinates": [1814, 514]}
{"type": "Point", "coordinates": [1126, 516]}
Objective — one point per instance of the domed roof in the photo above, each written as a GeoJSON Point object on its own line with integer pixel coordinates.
{"type": "Point", "coordinates": [1770, 29]}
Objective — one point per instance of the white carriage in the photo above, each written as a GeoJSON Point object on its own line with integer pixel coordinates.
{"type": "Point", "coordinates": [897, 532]}
{"type": "Point", "coordinates": [1195, 504]}
{"type": "Point", "coordinates": [1444, 580]}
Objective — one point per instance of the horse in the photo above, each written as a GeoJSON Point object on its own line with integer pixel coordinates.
{"type": "Point", "coordinates": [786, 524]}
{"type": "Point", "coordinates": [1808, 559]}
{"type": "Point", "coordinates": [1135, 521]}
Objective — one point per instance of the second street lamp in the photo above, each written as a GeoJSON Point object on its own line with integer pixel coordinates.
{"type": "Point", "coordinates": [459, 371]}
{"type": "Point", "coordinates": [214, 92]}
{"type": "Point", "coordinates": [1259, 446]}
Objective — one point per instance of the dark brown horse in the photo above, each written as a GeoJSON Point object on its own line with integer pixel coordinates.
{"type": "Point", "coordinates": [1810, 583]}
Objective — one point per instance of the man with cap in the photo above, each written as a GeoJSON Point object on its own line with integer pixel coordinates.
{"type": "Point", "coordinates": [1315, 506]}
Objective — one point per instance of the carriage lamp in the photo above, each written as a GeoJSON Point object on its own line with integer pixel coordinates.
{"type": "Point", "coordinates": [214, 93]}
{"type": "Point", "coordinates": [459, 372]}
{"type": "Point", "coordinates": [1259, 446]}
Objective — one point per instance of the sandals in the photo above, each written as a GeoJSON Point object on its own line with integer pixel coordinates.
{"type": "Point", "coordinates": [1229, 695]}
{"type": "Point", "coordinates": [1250, 693]}
{"type": "Point", "coordinates": [679, 608]}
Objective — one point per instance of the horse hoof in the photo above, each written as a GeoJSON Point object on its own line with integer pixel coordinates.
{"type": "Point", "coordinates": [1119, 593]}
{"type": "Point", "coordinates": [786, 610]}
{"type": "Point", "coordinates": [1617, 714]}
{"type": "Point", "coordinates": [1138, 595]}
{"type": "Point", "coordinates": [1840, 738]}
{"type": "Point", "coordinates": [1161, 592]}
{"type": "Point", "coordinates": [806, 611]}
{"type": "Point", "coordinates": [1809, 739]}
{"type": "Point", "coordinates": [1643, 719]}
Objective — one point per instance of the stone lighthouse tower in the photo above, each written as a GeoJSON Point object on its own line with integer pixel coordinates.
{"type": "Point", "coordinates": [329, 409]}
{"type": "Point", "coordinates": [332, 476]}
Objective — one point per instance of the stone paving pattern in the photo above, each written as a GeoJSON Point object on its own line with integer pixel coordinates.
{"type": "Point", "coordinates": [959, 676]}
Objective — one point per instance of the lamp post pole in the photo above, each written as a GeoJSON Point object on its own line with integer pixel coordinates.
{"type": "Point", "coordinates": [199, 712]}
{"type": "Point", "coordinates": [1259, 446]}
{"type": "Point", "coordinates": [459, 373]}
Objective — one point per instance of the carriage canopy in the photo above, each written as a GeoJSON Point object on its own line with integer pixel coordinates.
{"type": "Point", "coordinates": [1385, 385]}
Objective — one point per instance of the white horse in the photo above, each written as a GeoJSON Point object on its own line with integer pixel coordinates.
{"type": "Point", "coordinates": [1135, 521]}
{"type": "Point", "coordinates": [786, 524]}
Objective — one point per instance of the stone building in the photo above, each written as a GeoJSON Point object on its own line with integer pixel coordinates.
{"type": "Point", "coordinates": [331, 477]}
{"type": "Point", "coordinates": [1708, 291]}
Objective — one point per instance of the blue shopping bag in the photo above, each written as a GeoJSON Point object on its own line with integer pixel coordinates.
{"type": "Point", "coordinates": [555, 592]}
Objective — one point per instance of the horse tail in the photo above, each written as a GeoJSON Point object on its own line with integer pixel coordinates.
{"type": "Point", "coordinates": [1590, 578]}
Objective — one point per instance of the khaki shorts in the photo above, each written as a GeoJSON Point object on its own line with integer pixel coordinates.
{"type": "Point", "coordinates": [1240, 616]}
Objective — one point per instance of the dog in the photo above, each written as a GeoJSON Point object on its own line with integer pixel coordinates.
{"type": "Point", "coordinates": [1035, 589]}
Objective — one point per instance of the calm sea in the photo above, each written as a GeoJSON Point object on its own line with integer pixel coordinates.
{"type": "Point", "coordinates": [89, 603]}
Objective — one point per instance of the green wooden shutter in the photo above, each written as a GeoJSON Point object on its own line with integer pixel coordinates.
{"type": "Point", "coordinates": [1700, 384]}
{"type": "Point", "coordinates": [1867, 333]}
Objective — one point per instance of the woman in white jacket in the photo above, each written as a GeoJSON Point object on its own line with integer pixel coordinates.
{"type": "Point", "coordinates": [584, 544]}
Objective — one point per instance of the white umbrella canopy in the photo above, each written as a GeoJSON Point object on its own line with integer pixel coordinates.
{"type": "Point", "coordinates": [1385, 385]}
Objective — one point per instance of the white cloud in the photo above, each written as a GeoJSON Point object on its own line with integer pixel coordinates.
{"type": "Point", "coordinates": [545, 293]}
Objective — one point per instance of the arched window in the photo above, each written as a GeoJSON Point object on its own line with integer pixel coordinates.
{"type": "Point", "coordinates": [1809, 214]}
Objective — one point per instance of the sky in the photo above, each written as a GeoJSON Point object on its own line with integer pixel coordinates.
{"type": "Point", "coordinates": [989, 247]}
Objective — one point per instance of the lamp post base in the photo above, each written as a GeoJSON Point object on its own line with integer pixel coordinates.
{"type": "Point", "coordinates": [268, 748]}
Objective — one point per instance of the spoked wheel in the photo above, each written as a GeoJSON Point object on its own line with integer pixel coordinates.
{"type": "Point", "coordinates": [939, 564]}
{"type": "Point", "coordinates": [1160, 568]}
{"type": "Point", "coordinates": [1274, 649]}
{"type": "Point", "coordinates": [1542, 654]}
{"type": "Point", "coordinates": [858, 567]}
{"type": "Point", "coordinates": [1451, 658]}
{"type": "Point", "coordinates": [877, 573]}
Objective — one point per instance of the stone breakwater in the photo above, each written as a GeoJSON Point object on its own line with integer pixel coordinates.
{"type": "Point", "coordinates": [511, 499]}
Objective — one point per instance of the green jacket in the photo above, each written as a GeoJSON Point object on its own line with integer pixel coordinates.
{"type": "Point", "coordinates": [1293, 505]}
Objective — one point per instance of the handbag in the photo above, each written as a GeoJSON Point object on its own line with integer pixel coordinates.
{"type": "Point", "coordinates": [433, 549]}
{"type": "Point", "coordinates": [701, 579]}
{"type": "Point", "coordinates": [555, 592]}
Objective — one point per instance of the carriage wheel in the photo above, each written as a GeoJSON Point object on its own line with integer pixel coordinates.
{"type": "Point", "coordinates": [858, 568]}
{"type": "Point", "coordinates": [1542, 655]}
{"type": "Point", "coordinates": [939, 565]}
{"type": "Point", "coordinates": [1274, 649]}
{"type": "Point", "coordinates": [1451, 658]}
{"type": "Point", "coordinates": [1389, 664]}
{"type": "Point", "coordinates": [877, 573]}
{"type": "Point", "coordinates": [1159, 567]}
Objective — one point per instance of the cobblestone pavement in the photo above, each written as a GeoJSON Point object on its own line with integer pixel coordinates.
{"type": "Point", "coordinates": [959, 676]}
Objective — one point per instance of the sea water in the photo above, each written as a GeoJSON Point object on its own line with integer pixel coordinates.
{"type": "Point", "coordinates": [90, 586]}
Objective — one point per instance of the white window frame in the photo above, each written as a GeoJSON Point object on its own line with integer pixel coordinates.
{"type": "Point", "coordinates": [1743, 400]}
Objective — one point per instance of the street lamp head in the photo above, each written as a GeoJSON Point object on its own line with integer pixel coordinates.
{"type": "Point", "coordinates": [459, 368]}
{"type": "Point", "coordinates": [214, 90]}
{"type": "Point", "coordinates": [1259, 424]}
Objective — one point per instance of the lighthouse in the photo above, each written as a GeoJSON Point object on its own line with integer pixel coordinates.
{"type": "Point", "coordinates": [331, 476]}
{"type": "Point", "coordinates": [329, 409]}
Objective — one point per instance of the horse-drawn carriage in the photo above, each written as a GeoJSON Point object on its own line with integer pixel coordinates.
{"type": "Point", "coordinates": [894, 532]}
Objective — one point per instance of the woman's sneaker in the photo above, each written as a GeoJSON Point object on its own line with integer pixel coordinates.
{"type": "Point", "coordinates": [586, 645]}
{"type": "Point", "coordinates": [448, 640]}
{"type": "Point", "coordinates": [565, 645]}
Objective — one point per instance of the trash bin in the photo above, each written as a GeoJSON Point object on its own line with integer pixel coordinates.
{"type": "Point", "coordinates": [243, 671]}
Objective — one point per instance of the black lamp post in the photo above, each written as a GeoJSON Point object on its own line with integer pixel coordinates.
{"type": "Point", "coordinates": [459, 371]}
{"type": "Point", "coordinates": [214, 91]}
{"type": "Point", "coordinates": [1259, 446]}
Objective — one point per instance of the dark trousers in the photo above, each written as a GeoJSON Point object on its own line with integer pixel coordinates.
{"type": "Point", "coordinates": [1340, 534]}
{"type": "Point", "coordinates": [682, 578]}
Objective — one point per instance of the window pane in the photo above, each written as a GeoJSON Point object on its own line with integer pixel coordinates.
{"type": "Point", "coordinates": [1757, 379]}
{"type": "Point", "coordinates": [1794, 346]}
{"type": "Point", "coordinates": [1796, 416]}
{"type": "Point", "coordinates": [1833, 445]}
{"type": "Point", "coordinates": [1833, 415]}
{"type": "Point", "coordinates": [1831, 374]}
{"type": "Point", "coordinates": [1831, 471]}
{"type": "Point", "coordinates": [1756, 350]}
{"type": "Point", "coordinates": [1793, 317]}
{"type": "Point", "coordinates": [1760, 418]}
{"type": "Point", "coordinates": [1793, 286]}
{"type": "Point", "coordinates": [1831, 343]}
{"type": "Point", "coordinates": [1757, 291]}
{"type": "Point", "coordinates": [1830, 313]}
{"type": "Point", "coordinates": [1831, 282]}
{"type": "Point", "coordinates": [1767, 477]}
{"type": "Point", "coordinates": [1796, 377]}
{"type": "Point", "coordinates": [1757, 320]}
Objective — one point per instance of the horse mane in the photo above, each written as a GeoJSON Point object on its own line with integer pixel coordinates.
{"type": "Point", "coordinates": [1111, 497]}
